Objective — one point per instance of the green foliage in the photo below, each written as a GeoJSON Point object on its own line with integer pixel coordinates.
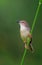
{"type": "Point", "coordinates": [40, 1]}
{"type": "Point", "coordinates": [11, 45]}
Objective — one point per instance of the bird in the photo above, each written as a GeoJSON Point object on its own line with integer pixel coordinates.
{"type": "Point", "coordinates": [25, 33]}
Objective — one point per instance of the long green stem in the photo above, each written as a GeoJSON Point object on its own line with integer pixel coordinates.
{"type": "Point", "coordinates": [33, 25]}
{"type": "Point", "coordinates": [35, 18]}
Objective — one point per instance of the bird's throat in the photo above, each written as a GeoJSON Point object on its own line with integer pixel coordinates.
{"type": "Point", "coordinates": [23, 28]}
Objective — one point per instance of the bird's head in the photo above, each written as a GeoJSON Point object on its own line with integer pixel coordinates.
{"type": "Point", "coordinates": [22, 22]}
{"type": "Point", "coordinates": [23, 25]}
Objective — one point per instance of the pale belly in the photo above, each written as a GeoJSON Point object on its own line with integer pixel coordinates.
{"type": "Point", "coordinates": [24, 34]}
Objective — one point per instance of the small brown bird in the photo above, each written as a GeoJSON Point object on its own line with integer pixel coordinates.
{"type": "Point", "coordinates": [25, 33]}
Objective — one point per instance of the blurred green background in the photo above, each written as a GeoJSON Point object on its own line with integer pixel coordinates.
{"type": "Point", "coordinates": [11, 45]}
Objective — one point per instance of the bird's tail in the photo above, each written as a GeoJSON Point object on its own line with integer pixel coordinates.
{"type": "Point", "coordinates": [31, 48]}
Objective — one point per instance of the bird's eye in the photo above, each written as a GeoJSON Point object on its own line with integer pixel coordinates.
{"type": "Point", "coordinates": [22, 22]}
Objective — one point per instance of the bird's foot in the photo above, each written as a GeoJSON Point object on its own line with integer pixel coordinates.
{"type": "Point", "coordinates": [26, 46]}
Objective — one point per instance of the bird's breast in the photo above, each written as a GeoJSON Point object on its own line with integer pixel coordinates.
{"type": "Point", "coordinates": [24, 33]}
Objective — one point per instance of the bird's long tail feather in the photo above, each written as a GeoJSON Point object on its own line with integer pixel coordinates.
{"type": "Point", "coordinates": [31, 48]}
